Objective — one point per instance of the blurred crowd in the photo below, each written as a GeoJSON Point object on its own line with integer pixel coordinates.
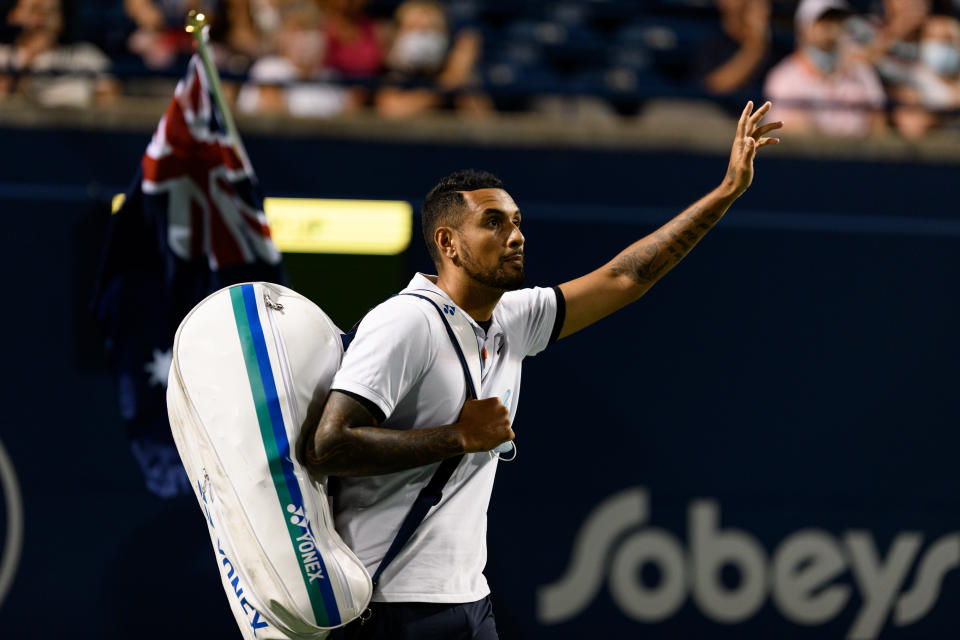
{"type": "Point", "coordinates": [317, 58]}
{"type": "Point", "coordinates": [845, 68]}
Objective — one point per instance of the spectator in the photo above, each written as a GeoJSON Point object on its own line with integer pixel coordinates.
{"type": "Point", "coordinates": [421, 54]}
{"type": "Point", "coordinates": [933, 85]}
{"type": "Point", "coordinates": [895, 34]}
{"type": "Point", "coordinates": [353, 39]}
{"type": "Point", "coordinates": [38, 66]}
{"type": "Point", "coordinates": [738, 57]}
{"type": "Point", "coordinates": [890, 41]}
{"type": "Point", "coordinates": [264, 18]}
{"type": "Point", "coordinates": [159, 36]}
{"type": "Point", "coordinates": [822, 87]}
{"type": "Point", "coordinates": [241, 33]}
{"type": "Point", "coordinates": [291, 81]}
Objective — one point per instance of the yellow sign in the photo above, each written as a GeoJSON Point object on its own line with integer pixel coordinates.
{"type": "Point", "coordinates": [310, 225]}
{"type": "Point", "coordinates": [303, 225]}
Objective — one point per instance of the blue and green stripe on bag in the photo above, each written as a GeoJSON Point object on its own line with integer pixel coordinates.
{"type": "Point", "coordinates": [277, 448]}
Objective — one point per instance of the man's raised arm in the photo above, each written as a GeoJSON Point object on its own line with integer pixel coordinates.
{"type": "Point", "coordinates": [631, 273]}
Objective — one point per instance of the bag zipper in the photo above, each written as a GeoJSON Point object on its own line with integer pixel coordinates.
{"type": "Point", "coordinates": [284, 363]}
{"type": "Point", "coordinates": [282, 358]}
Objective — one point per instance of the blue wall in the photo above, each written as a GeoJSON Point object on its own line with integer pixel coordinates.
{"type": "Point", "coordinates": [787, 394]}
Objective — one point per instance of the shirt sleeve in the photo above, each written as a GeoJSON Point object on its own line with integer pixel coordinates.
{"type": "Point", "coordinates": [388, 355]}
{"type": "Point", "coordinates": [528, 318]}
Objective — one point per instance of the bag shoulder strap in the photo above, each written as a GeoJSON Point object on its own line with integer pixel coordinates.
{"type": "Point", "coordinates": [461, 336]}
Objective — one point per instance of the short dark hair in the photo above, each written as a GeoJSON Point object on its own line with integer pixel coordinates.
{"type": "Point", "coordinates": [445, 204]}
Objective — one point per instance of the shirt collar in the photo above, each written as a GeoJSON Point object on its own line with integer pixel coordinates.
{"type": "Point", "coordinates": [424, 281]}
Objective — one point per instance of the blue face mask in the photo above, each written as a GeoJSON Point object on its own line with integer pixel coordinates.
{"type": "Point", "coordinates": [941, 57]}
{"type": "Point", "coordinates": [825, 61]}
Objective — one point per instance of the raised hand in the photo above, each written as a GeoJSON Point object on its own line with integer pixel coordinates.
{"type": "Point", "coordinates": [750, 136]}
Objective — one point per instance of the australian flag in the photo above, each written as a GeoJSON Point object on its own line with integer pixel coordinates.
{"type": "Point", "coordinates": [192, 222]}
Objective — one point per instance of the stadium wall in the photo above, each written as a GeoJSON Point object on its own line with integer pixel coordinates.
{"type": "Point", "coordinates": [763, 446]}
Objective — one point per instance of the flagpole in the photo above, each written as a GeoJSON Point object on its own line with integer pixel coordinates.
{"type": "Point", "coordinates": [197, 27]}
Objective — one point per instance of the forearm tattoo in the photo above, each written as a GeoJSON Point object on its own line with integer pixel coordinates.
{"type": "Point", "coordinates": [649, 258]}
{"type": "Point", "coordinates": [343, 447]}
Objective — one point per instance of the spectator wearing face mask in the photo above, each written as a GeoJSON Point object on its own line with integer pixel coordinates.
{"type": "Point", "coordinates": [426, 70]}
{"type": "Point", "coordinates": [890, 37]}
{"type": "Point", "coordinates": [822, 87]}
{"type": "Point", "coordinates": [932, 86]}
{"type": "Point", "coordinates": [292, 80]}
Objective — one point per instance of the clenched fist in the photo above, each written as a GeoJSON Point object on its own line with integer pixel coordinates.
{"type": "Point", "coordinates": [484, 425]}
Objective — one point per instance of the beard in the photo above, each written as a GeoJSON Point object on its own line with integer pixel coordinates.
{"type": "Point", "coordinates": [503, 277]}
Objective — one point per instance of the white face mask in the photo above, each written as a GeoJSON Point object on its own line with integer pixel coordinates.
{"type": "Point", "coordinates": [419, 51]}
{"type": "Point", "coordinates": [825, 61]}
{"type": "Point", "coordinates": [941, 57]}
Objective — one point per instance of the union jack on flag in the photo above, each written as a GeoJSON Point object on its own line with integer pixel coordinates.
{"type": "Point", "coordinates": [192, 223]}
{"type": "Point", "coordinates": [208, 187]}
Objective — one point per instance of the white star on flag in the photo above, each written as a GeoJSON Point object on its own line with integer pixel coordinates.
{"type": "Point", "coordinates": [159, 367]}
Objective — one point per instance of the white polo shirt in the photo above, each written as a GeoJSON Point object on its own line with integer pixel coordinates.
{"type": "Point", "coordinates": [402, 360]}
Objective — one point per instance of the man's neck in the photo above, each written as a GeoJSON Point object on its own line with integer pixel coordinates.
{"type": "Point", "coordinates": [477, 300]}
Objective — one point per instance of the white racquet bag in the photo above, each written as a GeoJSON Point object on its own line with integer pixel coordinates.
{"type": "Point", "coordinates": [236, 399]}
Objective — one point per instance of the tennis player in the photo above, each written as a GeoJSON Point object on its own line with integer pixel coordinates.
{"type": "Point", "coordinates": [398, 405]}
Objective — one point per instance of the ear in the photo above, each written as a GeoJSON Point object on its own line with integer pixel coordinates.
{"type": "Point", "coordinates": [446, 241]}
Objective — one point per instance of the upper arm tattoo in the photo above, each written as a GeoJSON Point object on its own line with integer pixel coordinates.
{"type": "Point", "coordinates": [348, 442]}
{"type": "Point", "coordinates": [340, 412]}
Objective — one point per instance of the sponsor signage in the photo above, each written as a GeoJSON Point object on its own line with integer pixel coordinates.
{"type": "Point", "coordinates": [802, 575]}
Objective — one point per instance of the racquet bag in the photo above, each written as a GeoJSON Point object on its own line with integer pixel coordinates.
{"type": "Point", "coordinates": [247, 361]}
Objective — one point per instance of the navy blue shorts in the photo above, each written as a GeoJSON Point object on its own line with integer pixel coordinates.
{"type": "Point", "coordinates": [423, 621]}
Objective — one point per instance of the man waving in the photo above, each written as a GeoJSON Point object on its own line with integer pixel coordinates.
{"type": "Point", "coordinates": [398, 406]}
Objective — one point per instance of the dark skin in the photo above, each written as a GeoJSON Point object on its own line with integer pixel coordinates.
{"type": "Point", "coordinates": [347, 439]}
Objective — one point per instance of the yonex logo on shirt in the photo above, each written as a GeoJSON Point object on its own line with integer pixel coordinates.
{"type": "Point", "coordinates": [449, 309]}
